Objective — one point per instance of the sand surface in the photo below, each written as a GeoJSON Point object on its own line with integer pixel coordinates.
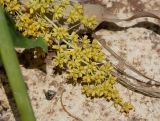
{"type": "Point", "coordinates": [139, 45]}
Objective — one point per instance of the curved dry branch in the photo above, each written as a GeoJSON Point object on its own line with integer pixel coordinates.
{"type": "Point", "coordinates": [102, 14]}
{"type": "Point", "coordinates": [71, 115]}
{"type": "Point", "coordinates": [150, 13]}
{"type": "Point", "coordinates": [151, 92]}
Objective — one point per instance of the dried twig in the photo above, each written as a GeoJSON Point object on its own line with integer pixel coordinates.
{"type": "Point", "coordinates": [118, 69]}
{"type": "Point", "coordinates": [61, 100]}
{"type": "Point", "coordinates": [103, 14]}
{"type": "Point", "coordinates": [151, 92]}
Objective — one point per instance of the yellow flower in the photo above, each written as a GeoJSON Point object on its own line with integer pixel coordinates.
{"type": "Point", "coordinates": [89, 22]}
{"type": "Point", "coordinates": [11, 5]}
{"type": "Point", "coordinates": [60, 33]}
{"type": "Point", "coordinates": [64, 3]}
{"type": "Point", "coordinates": [85, 42]}
{"type": "Point", "coordinates": [74, 38]}
{"type": "Point", "coordinates": [57, 11]}
{"type": "Point", "coordinates": [30, 26]}
{"type": "Point", "coordinates": [75, 14]}
{"type": "Point", "coordinates": [38, 6]}
{"type": "Point", "coordinates": [48, 38]}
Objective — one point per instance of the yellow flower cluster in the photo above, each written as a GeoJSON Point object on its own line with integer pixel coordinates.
{"type": "Point", "coordinates": [57, 11]}
{"type": "Point", "coordinates": [60, 33]}
{"type": "Point", "coordinates": [75, 14]}
{"type": "Point", "coordinates": [74, 38]}
{"type": "Point", "coordinates": [80, 56]}
{"type": "Point", "coordinates": [12, 5]}
{"type": "Point", "coordinates": [89, 22]}
{"type": "Point", "coordinates": [106, 89]}
{"type": "Point", "coordinates": [30, 26]}
{"type": "Point", "coordinates": [40, 6]}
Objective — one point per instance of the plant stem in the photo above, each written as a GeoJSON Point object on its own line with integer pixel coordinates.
{"type": "Point", "coordinates": [54, 25]}
{"type": "Point", "coordinates": [13, 71]}
{"type": "Point", "coordinates": [46, 18]}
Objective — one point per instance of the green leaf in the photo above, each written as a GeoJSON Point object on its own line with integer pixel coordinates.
{"type": "Point", "coordinates": [13, 71]}
{"type": "Point", "coordinates": [0, 62]}
{"type": "Point", "coordinates": [20, 41]}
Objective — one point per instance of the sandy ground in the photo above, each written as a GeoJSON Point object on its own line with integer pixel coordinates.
{"type": "Point", "coordinates": [138, 45]}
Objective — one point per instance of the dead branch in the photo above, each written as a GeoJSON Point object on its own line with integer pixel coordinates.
{"type": "Point", "coordinates": [71, 115]}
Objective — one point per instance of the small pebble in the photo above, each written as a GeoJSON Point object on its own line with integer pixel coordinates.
{"type": "Point", "coordinates": [49, 94]}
